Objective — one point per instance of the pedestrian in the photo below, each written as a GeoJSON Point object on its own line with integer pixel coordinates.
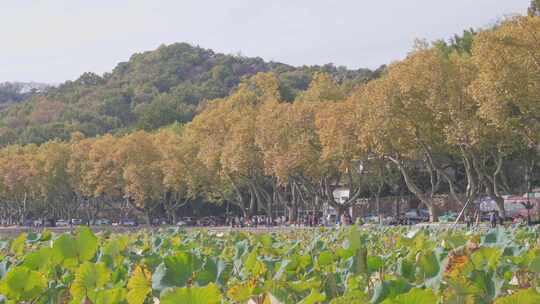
{"type": "Point", "coordinates": [468, 219]}
{"type": "Point", "coordinates": [518, 221]}
{"type": "Point", "coordinates": [493, 218]}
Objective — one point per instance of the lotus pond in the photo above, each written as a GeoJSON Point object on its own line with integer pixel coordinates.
{"type": "Point", "coordinates": [350, 265]}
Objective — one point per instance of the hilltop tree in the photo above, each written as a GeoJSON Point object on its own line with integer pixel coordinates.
{"type": "Point", "coordinates": [151, 90]}
{"type": "Point", "coordinates": [534, 8]}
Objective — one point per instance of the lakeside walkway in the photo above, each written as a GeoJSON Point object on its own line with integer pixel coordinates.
{"type": "Point", "coordinates": [16, 230]}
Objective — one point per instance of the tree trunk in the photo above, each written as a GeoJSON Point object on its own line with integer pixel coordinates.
{"type": "Point", "coordinates": [425, 198]}
{"type": "Point", "coordinates": [174, 218]}
{"type": "Point", "coordinates": [490, 184]}
{"type": "Point", "coordinates": [342, 210]}
{"type": "Point", "coordinates": [378, 203]}
{"type": "Point", "coordinates": [97, 209]}
{"type": "Point", "coordinates": [433, 213]}
{"type": "Point", "coordinates": [148, 217]}
{"type": "Point", "coordinates": [500, 206]}
{"type": "Point", "coordinates": [293, 213]}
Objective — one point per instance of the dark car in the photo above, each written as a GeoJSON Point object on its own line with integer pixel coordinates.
{"type": "Point", "coordinates": [159, 221]}
{"type": "Point", "coordinates": [129, 222]}
{"type": "Point", "coordinates": [207, 221]}
{"type": "Point", "coordinates": [416, 216]}
{"type": "Point", "coordinates": [188, 220]}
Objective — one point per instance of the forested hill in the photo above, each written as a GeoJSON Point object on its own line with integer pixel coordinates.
{"type": "Point", "coordinates": [152, 89]}
{"type": "Point", "coordinates": [14, 92]}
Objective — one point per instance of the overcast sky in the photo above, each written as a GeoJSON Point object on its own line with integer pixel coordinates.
{"type": "Point", "coordinates": [57, 40]}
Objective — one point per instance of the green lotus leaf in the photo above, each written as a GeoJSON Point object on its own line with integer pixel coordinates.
{"type": "Point", "coordinates": [208, 294]}
{"type": "Point", "coordinates": [18, 245]}
{"type": "Point", "coordinates": [86, 243]}
{"type": "Point", "coordinates": [525, 296]}
{"type": "Point", "coordinates": [209, 273]}
{"type": "Point", "coordinates": [300, 286]}
{"type": "Point", "coordinates": [39, 259]}
{"type": "Point", "coordinates": [374, 263]}
{"type": "Point", "coordinates": [486, 257]}
{"type": "Point", "coordinates": [325, 258]}
{"type": "Point", "coordinates": [313, 298]}
{"type": "Point", "coordinates": [23, 284]}
{"type": "Point", "coordinates": [390, 290]}
{"type": "Point", "coordinates": [175, 271]}
{"type": "Point", "coordinates": [89, 278]}
{"type": "Point", "coordinates": [406, 269]}
{"type": "Point", "coordinates": [485, 282]}
{"type": "Point", "coordinates": [139, 286]}
{"type": "Point", "coordinates": [495, 237]}
{"type": "Point", "coordinates": [73, 250]}
{"type": "Point", "coordinates": [428, 265]}
{"type": "Point", "coordinates": [242, 292]}
{"type": "Point", "coordinates": [253, 266]}
{"type": "Point", "coordinates": [109, 296]}
{"type": "Point", "coordinates": [414, 296]}
{"type": "Point", "coordinates": [352, 297]}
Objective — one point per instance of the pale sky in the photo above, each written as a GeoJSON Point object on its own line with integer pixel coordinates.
{"type": "Point", "coordinates": [56, 40]}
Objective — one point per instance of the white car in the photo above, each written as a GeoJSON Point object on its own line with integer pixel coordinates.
{"type": "Point", "coordinates": [76, 221]}
{"type": "Point", "coordinates": [62, 223]}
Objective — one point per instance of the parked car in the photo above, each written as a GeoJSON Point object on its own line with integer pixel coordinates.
{"type": "Point", "coordinates": [159, 221]}
{"type": "Point", "coordinates": [101, 222]}
{"type": "Point", "coordinates": [44, 223]}
{"type": "Point", "coordinates": [207, 221]}
{"type": "Point", "coordinates": [448, 217]}
{"type": "Point", "coordinates": [221, 220]}
{"type": "Point", "coordinates": [190, 221]}
{"type": "Point", "coordinates": [416, 216]}
{"type": "Point", "coordinates": [62, 223]}
{"type": "Point", "coordinates": [370, 219]}
{"type": "Point", "coordinates": [129, 222]}
{"type": "Point", "coordinates": [76, 221]}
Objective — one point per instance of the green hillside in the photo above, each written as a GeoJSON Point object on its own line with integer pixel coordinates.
{"type": "Point", "coordinates": [152, 89]}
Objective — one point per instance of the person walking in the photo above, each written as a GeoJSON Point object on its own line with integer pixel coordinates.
{"type": "Point", "coordinates": [343, 219]}
{"type": "Point", "coordinates": [493, 218]}
{"type": "Point", "coordinates": [469, 219]}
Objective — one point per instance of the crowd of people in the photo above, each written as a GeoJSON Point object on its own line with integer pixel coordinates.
{"type": "Point", "coordinates": [310, 219]}
{"type": "Point", "coordinates": [495, 219]}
